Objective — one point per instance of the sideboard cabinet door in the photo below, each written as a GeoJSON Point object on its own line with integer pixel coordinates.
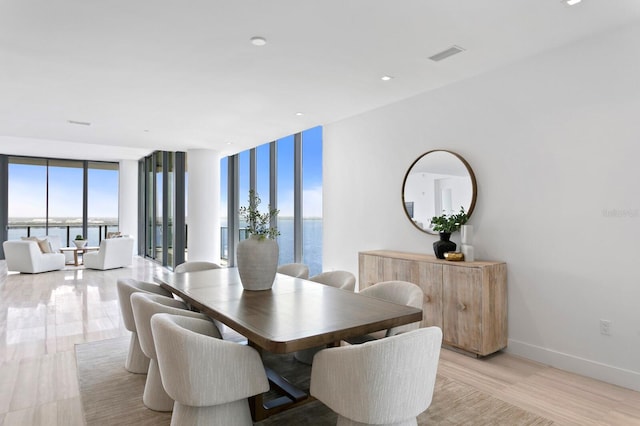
{"type": "Point", "coordinates": [428, 276]}
{"type": "Point", "coordinates": [462, 311]}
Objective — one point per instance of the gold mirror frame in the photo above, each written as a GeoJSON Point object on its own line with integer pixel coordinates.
{"type": "Point", "coordinates": [468, 208]}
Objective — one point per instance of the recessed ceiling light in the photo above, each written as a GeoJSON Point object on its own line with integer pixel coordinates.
{"type": "Point", "coordinates": [572, 2]}
{"type": "Point", "coordinates": [299, 114]}
{"type": "Point", "coordinates": [79, 123]}
{"type": "Point", "coordinates": [386, 78]}
{"type": "Point", "coordinates": [258, 41]}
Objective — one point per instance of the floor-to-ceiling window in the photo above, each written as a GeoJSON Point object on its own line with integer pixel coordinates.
{"type": "Point", "coordinates": [158, 167]}
{"type": "Point", "coordinates": [263, 172]}
{"type": "Point", "coordinates": [312, 199]}
{"type": "Point", "coordinates": [27, 204]}
{"type": "Point", "coordinates": [285, 179]}
{"type": "Point", "coordinates": [224, 223]}
{"type": "Point", "coordinates": [149, 208]}
{"type": "Point", "coordinates": [102, 200]}
{"type": "Point", "coordinates": [244, 184]}
{"type": "Point", "coordinates": [61, 197]}
{"type": "Point", "coordinates": [163, 176]}
{"type": "Point", "coordinates": [278, 173]}
{"type": "Point", "coordinates": [65, 195]}
{"type": "Point", "coordinates": [170, 205]}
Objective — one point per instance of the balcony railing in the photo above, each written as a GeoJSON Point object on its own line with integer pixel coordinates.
{"type": "Point", "coordinates": [67, 233]}
{"type": "Point", "coordinates": [224, 240]}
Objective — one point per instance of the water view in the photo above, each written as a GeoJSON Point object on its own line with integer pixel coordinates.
{"type": "Point", "coordinates": [68, 228]}
{"type": "Point", "coordinates": [311, 242]}
{"type": "Point", "coordinates": [65, 227]}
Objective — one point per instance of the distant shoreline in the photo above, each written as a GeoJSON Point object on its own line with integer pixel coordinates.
{"type": "Point", "coordinates": [60, 221]}
{"type": "Point", "coordinates": [17, 222]}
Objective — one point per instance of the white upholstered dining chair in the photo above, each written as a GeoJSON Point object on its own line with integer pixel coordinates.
{"type": "Point", "coordinates": [383, 382]}
{"type": "Point", "coordinates": [400, 292]}
{"type": "Point", "coordinates": [210, 379]}
{"type": "Point", "coordinates": [194, 266]}
{"type": "Point", "coordinates": [137, 361]}
{"type": "Point", "coordinates": [343, 280]}
{"type": "Point", "coordinates": [296, 270]}
{"type": "Point", "coordinates": [144, 307]}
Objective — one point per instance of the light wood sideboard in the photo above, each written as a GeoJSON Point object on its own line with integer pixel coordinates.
{"type": "Point", "coordinates": [467, 300]}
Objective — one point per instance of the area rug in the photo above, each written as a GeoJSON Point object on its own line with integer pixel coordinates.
{"type": "Point", "coordinates": [111, 396]}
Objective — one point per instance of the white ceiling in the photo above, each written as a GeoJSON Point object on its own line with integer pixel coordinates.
{"type": "Point", "coordinates": [177, 75]}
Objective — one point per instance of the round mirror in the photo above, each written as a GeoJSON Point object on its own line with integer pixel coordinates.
{"type": "Point", "coordinates": [438, 182]}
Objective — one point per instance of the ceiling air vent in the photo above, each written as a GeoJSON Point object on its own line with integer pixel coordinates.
{"type": "Point", "coordinates": [79, 123]}
{"type": "Point", "coordinates": [446, 53]}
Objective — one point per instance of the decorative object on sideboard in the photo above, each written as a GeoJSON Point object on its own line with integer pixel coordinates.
{"type": "Point", "coordinates": [466, 235]}
{"type": "Point", "coordinates": [435, 183]}
{"type": "Point", "coordinates": [257, 255]}
{"type": "Point", "coordinates": [445, 224]}
{"type": "Point", "coordinates": [444, 245]}
{"type": "Point", "coordinates": [454, 256]}
{"type": "Point", "coordinates": [79, 241]}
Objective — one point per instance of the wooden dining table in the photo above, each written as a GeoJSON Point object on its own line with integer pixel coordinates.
{"type": "Point", "coordinates": [294, 314]}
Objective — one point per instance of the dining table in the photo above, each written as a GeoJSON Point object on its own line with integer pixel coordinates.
{"type": "Point", "coordinates": [293, 315]}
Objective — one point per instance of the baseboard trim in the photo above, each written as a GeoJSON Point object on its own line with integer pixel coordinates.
{"type": "Point", "coordinates": [585, 367]}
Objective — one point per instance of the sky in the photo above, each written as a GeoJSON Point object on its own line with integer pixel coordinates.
{"type": "Point", "coordinates": [28, 184]}
{"type": "Point", "coordinates": [311, 175]}
{"type": "Point", "coordinates": [28, 191]}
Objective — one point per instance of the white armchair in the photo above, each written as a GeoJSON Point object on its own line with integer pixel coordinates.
{"type": "Point", "coordinates": [209, 378]}
{"type": "Point", "coordinates": [145, 306]}
{"type": "Point", "coordinates": [137, 361]}
{"type": "Point", "coordinates": [400, 292]}
{"type": "Point", "coordinates": [296, 270]}
{"type": "Point", "coordinates": [343, 280]}
{"type": "Point", "coordinates": [195, 266]}
{"type": "Point", "coordinates": [26, 256]}
{"type": "Point", "coordinates": [388, 381]}
{"type": "Point", "coordinates": [113, 253]}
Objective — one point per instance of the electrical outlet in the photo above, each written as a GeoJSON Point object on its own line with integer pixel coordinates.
{"type": "Point", "coordinates": [605, 327]}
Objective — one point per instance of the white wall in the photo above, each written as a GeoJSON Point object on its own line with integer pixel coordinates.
{"type": "Point", "coordinates": [554, 143]}
{"type": "Point", "coordinates": [203, 205]}
{"type": "Point", "coordinates": [128, 200]}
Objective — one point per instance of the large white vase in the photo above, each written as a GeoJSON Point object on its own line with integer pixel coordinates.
{"type": "Point", "coordinates": [257, 262]}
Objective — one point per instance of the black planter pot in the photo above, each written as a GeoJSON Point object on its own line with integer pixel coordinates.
{"type": "Point", "coordinates": [443, 245]}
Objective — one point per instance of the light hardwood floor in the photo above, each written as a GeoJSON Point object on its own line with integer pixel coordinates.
{"type": "Point", "coordinates": [43, 316]}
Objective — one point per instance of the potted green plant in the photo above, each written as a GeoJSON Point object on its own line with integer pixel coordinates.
{"type": "Point", "coordinates": [449, 223]}
{"type": "Point", "coordinates": [257, 255]}
{"type": "Point", "coordinates": [446, 224]}
{"type": "Point", "coordinates": [259, 223]}
{"type": "Point", "coordinates": [79, 241]}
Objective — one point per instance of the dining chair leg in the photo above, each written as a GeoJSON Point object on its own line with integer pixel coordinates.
{"type": "Point", "coordinates": [155, 397]}
{"type": "Point", "coordinates": [137, 362]}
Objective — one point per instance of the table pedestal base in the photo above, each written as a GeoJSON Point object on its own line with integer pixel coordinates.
{"type": "Point", "coordinates": [291, 397]}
